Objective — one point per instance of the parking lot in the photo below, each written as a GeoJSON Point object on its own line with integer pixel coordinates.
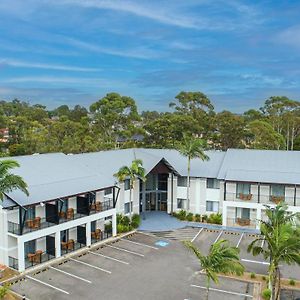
{"type": "Point", "coordinates": [139, 266]}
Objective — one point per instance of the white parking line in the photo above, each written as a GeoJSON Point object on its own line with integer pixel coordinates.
{"type": "Point", "coordinates": [192, 240]}
{"type": "Point", "coordinates": [70, 274]}
{"type": "Point", "coordinates": [125, 250]}
{"type": "Point", "coordinates": [222, 291]}
{"type": "Point", "coordinates": [19, 295]}
{"type": "Point", "coordinates": [262, 243]}
{"type": "Point", "coordinates": [237, 245]}
{"type": "Point", "coordinates": [140, 244]}
{"type": "Point", "coordinates": [89, 265]}
{"type": "Point", "coordinates": [47, 284]}
{"type": "Point", "coordinates": [111, 258]}
{"type": "Point", "coordinates": [218, 236]}
{"type": "Point", "coordinates": [255, 261]}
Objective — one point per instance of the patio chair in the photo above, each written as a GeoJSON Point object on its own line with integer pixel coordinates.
{"type": "Point", "coordinates": [70, 213]}
{"type": "Point", "coordinates": [37, 222]}
{"type": "Point", "coordinates": [30, 223]}
{"type": "Point", "coordinates": [31, 257]}
{"type": "Point", "coordinates": [98, 234]}
{"type": "Point", "coordinates": [62, 215]}
{"type": "Point", "coordinates": [38, 256]}
{"type": "Point", "coordinates": [98, 206]}
{"type": "Point", "coordinates": [64, 245]}
{"type": "Point", "coordinates": [70, 244]}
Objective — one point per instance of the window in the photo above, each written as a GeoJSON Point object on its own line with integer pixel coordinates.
{"type": "Point", "coordinates": [181, 203]}
{"type": "Point", "coordinates": [127, 206]}
{"type": "Point", "coordinates": [277, 190]}
{"type": "Point", "coordinates": [127, 184]}
{"type": "Point", "coordinates": [212, 183]}
{"type": "Point", "coordinates": [93, 226]}
{"type": "Point", "coordinates": [182, 181]}
{"type": "Point", "coordinates": [212, 206]}
{"type": "Point", "coordinates": [65, 205]}
{"type": "Point", "coordinates": [29, 247]}
{"type": "Point", "coordinates": [243, 188]}
{"type": "Point", "coordinates": [108, 191]}
{"type": "Point", "coordinates": [30, 215]}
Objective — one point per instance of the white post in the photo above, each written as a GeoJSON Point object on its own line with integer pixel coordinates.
{"type": "Point", "coordinates": [258, 217]}
{"type": "Point", "coordinates": [57, 244]}
{"type": "Point", "coordinates": [21, 255]}
{"type": "Point", "coordinates": [224, 215]}
{"type": "Point", "coordinates": [114, 224]}
{"type": "Point", "coordinates": [88, 234]}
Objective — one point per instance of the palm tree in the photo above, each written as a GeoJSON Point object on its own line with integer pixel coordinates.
{"type": "Point", "coordinates": [9, 181]}
{"type": "Point", "coordinates": [281, 235]}
{"type": "Point", "coordinates": [221, 259]}
{"type": "Point", "coordinates": [132, 173]}
{"type": "Point", "coordinates": [191, 148]}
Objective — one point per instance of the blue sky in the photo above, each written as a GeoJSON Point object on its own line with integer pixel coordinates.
{"type": "Point", "coordinates": [75, 51]}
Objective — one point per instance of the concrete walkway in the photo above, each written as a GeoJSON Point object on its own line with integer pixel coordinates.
{"type": "Point", "coordinates": [160, 221]}
{"type": "Point", "coordinates": [156, 221]}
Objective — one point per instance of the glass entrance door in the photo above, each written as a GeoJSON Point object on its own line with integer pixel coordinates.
{"type": "Point", "coordinates": [151, 201]}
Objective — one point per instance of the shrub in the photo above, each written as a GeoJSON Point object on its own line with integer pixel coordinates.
{"type": "Point", "coordinates": [215, 218]}
{"type": "Point", "coordinates": [204, 218]}
{"type": "Point", "coordinates": [264, 278]}
{"type": "Point", "coordinates": [197, 218]}
{"type": "Point", "coordinates": [292, 282]}
{"type": "Point", "coordinates": [252, 275]}
{"type": "Point", "coordinates": [3, 291]}
{"type": "Point", "coordinates": [189, 217]}
{"type": "Point", "coordinates": [125, 221]}
{"type": "Point", "coordinates": [135, 221]}
{"type": "Point", "coordinates": [182, 215]}
{"type": "Point", "coordinates": [266, 294]}
{"type": "Point", "coordinates": [108, 227]}
{"type": "Point", "coordinates": [119, 218]}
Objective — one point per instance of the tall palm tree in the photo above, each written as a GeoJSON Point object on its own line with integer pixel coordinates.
{"type": "Point", "coordinates": [132, 173]}
{"type": "Point", "coordinates": [221, 259]}
{"type": "Point", "coordinates": [9, 181]}
{"type": "Point", "coordinates": [281, 235]}
{"type": "Point", "coordinates": [191, 148]}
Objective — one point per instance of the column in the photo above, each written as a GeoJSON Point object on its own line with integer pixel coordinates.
{"type": "Point", "coordinates": [21, 255]}
{"type": "Point", "coordinates": [88, 233]}
{"type": "Point", "coordinates": [224, 215]}
{"type": "Point", "coordinates": [258, 217]}
{"type": "Point", "coordinates": [114, 224]}
{"type": "Point", "coordinates": [57, 244]}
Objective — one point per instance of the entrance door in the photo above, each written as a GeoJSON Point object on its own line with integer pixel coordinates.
{"type": "Point", "coordinates": [151, 201]}
{"type": "Point", "coordinates": [83, 205]}
{"type": "Point", "coordinates": [52, 213]}
{"type": "Point", "coordinates": [50, 245]}
{"type": "Point", "coordinates": [162, 201]}
{"type": "Point", "coordinates": [81, 235]}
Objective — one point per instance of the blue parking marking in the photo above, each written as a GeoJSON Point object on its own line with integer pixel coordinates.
{"type": "Point", "coordinates": [162, 243]}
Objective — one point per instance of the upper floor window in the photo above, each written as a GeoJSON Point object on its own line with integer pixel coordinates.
{"type": "Point", "coordinates": [243, 188]}
{"type": "Point", "coordinates": [277, 190]}
{"type": "Point", "coordinates": [212, 183]}
{"type": "Point", "coordinates": [126, 184]}
{"type": "Point", "coordinates": [182, 181]}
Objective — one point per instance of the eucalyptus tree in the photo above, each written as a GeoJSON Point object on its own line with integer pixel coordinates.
{"type": "Point", "coordinates": [131, 173]}
{"type": "Point", "coordinates": [191, 148]}
{"type": "Point", "coordinates": [221, 259]}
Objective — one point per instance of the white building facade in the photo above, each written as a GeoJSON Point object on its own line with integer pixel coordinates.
{"type": "Point", "coordinates": [74, 199]}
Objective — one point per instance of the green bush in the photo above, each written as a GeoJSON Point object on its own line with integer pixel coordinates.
{"type": "Point", "coordinates": [3, 291]}
{"type": "Point", "coordinates": [204, 218]}
{"type": "Point", "coordinates": [197, 218]}
{"type": "Point", "coordinates": [215, 219]}
{"type": "Point", "coordinates": [135, 221]}
{"type": "Point", "coordinates": [181, 215]}
{"type": "Point", "coordinates": [125, 221]}
{"type": "Point", "coordinates": [189, 217]}
{"type": "Point", "coordinates": [292, 282]}
{"type": "Point", "coordinates": [253, 275]}
{"type": "Point", "coordinates": [264, 278]}
{"type": "Point", "coordinates": [266, 294]}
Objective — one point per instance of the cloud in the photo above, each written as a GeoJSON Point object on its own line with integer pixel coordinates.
{"type": "Point", "coordinates": [48, 66]}
{"type": "Point", "coordinates": [289, 36]}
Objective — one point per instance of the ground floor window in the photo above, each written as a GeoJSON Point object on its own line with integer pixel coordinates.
{"type": "Point", "coordinates": [127, 207]}
{"type": "Point", "coordinates": [212, 206]}
{"type": "Point", "coordinates": [243, 213]}
{"type": "Point", "coordinates": [181, 203]}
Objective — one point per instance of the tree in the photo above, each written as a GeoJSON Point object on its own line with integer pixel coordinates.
{"type": "Point", "coordinates": [281, 234]}
{"type": "Point", "coordinates": [9, 181]}
{"type": "Point", "coordinates": [221, 259]}
{"type": "Point", "coordinates": [191, 148]}
{"type": "Point", "coordinates": [133, 172]}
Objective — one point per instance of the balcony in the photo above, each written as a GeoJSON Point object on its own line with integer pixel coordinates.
{"type": "Point", "coordinates": [70, 214]}
{"type": "Point", "coordinates": [241, 222]}
{"type": "Point", "coordinates": [38, 257]}
{"type": "Point", "coordinates": [262, 198]}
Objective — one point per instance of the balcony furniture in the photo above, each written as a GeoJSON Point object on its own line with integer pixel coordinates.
{"type": "Point", "coordinates": [62, 215]}
{"type": "Point", "coordinates": [37, 222]}
{"type": "Point", "coordinates": [38, 256]}
{"type": "Point", "coordinates": [277, 199]}
{"type": "Point", "coordinates": [30, 223]}
{"type": "Point", "coordinates": [98, 206]}
{"type": "Point", "coordinates": [243, 222]}
{"type": "Point", "coordinates": [96, 234]}
{"type": "Point", "coordinates": [64, 245]}
{"type": "Point", "coordinates": [70, 213]}
{"type": "Point", "coordinates": [31, 257]}
{"type": "Point", "coordinates": [245, 196]}
{"type": "Point", "coordinates": [93, 206]}
{"type": "Point", "coordinates": [70, 244]}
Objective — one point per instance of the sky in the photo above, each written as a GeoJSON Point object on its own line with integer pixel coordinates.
{"type": "Point", "coordinates": [71, 52]}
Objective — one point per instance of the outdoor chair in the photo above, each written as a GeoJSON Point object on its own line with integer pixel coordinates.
{"type": "Point", "coordinates": [70, 213]}
{"type": "Point", "coordinates": [37, 222]}
{"type": "Point", "coordinates": [30, 223]}
{"type": "Point", "coordinates": [31, 257]}
{"type": "Point", "coordinates": [98, 234]}
{"type": "Point", "coordinates": [64, 245]}
{"type": "Point", "coordinates": [98, 206]}
{"type": "Point", "coordinates": [70, 244]}
{"type": "Point", "coordinates": [38, 256]}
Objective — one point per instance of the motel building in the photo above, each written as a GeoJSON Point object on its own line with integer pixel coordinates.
{"type": "Point", "coordinates": [74, 199]}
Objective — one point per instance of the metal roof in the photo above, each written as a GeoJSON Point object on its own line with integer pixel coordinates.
{"type": "Point", "coordinates": [56, 175]}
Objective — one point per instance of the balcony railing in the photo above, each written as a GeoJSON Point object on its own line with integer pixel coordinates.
{"type": "Point", "coordinates": [71, 214]}
{"type": "Point", "coordinates": [71, 245]}
{"type": "Point", "coordinates": [242, 222]}
{"type": "Point", "coordinates": [38, 257]}
{"type": "Point", "coordinates": [13, 263]}
{"type": "Point", "coordinates": [262, 198]}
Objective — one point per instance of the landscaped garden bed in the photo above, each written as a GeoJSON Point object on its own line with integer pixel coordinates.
{"type": "Point", "coordinates": [185, 216]}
